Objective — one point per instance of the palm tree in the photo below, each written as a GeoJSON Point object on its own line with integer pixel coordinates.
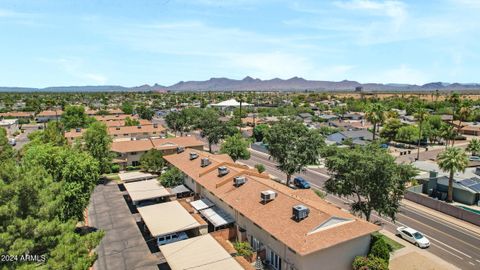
{"type": "Point", "coordinates": [375, 113]}
{"type": "Point", "coordinates": [447, 132]}
{"type": "Point", "coordinates": [463, 114]}
{"type": "Point", "coordinates": [474, 146]}
{"type": "Point", "coordinates": [421, 115]}
{"type": "Point", "coordinates": [452, 160]}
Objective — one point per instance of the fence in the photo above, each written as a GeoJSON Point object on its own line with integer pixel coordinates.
{"type": "Point", "coordinates": [443, 207]}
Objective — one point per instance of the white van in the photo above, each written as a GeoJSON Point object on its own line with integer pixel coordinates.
{"type": "Point", "coordinates": [171, 238]}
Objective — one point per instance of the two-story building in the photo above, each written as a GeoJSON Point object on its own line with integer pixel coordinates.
{"type": "Point", "coordinates": [45, 116]}
{"type": "Point", "coordinates": [128, 153]}
{"type": "Point", "coordinates": [122, 133]}
{"type": "Point", "coordinates": [289, 229]}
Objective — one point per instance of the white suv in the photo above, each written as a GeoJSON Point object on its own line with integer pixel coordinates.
{"type": "Point", "coordinates": [171, 238]}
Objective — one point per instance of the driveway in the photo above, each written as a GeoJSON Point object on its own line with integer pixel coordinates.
{"type": "Point", "coordinates": [123, 246]}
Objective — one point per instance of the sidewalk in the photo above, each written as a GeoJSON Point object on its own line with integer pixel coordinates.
{"type": "Point", "coordinates": [466, 225]}
{"type": "Point", "coordinates": [411, 257]}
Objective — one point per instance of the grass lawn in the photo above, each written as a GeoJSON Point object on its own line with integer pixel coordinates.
{"type": "Point", "coordinates": [392, 243]}
{"type": "Point", "coordinates": [112, 177]}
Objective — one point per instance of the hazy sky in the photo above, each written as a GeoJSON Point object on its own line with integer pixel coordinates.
{"type": "Point", "coordinates": [134, 42]}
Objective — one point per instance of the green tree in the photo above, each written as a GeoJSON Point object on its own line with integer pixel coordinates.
{"type": "Point", "coordinates": [381, 249]}
{"type": "Point", "coordinates": [293, 146]}
{"type": "Point", "coordinates": [211, 127]}
{"type": "Point", "coordinates": [6, 150]}
{"type": "Point", "coordinates": [259, 132]}
{"type": "Point", "coordinates": [127, 108]}
{"type": "Point", "coordinates": [447, 133]}
{"type": "Point", "coordinates": [152, 161]}
{"type": "Point", "coordinates": [408, 134]}
{"type": "Point", "coordinates": [375, 113]}
{"type": "Point", "coordinates": [474, 146]}
{"type": "Point", "coordinates": [172, 177]}
{"type": "Point", "coordinates": [97, 143]}
{"type": "Point", "coordinates": [421, 115]}
{"type": "Point", "coordinates": [236, 147]}
{"type": "Point", "coordinates": [452, 160]}
{"type": "Point", "coordinates": [53, 133]}
{"type": "Point", "coordinates": [145, 112]}
{"type": "Point", "coordinates": [356, 174]}
{"type": "Point", "coordinates": [390, 129]}
{"type": "Point", "coordinates": [74, 117]}
{"type": "Point", "coordinates": [260, 167]}
{"type": "Point", "coordinates": [131, 122]}
{"type": "Point", "coordinates": [369, 263]}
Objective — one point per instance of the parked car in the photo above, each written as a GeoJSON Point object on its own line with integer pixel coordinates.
{"type": "Point", "coordinates": [299, 182]}
{"type": "Point", "coordinates": [171, 238]}
{"type": "Point", "coordinates": [413, 237]}
{"type": "Point", "coordinates": [474, 158]}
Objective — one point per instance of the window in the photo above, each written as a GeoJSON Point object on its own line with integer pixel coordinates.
{"type": "Point", "coordinates": [275, 261]}
{"type": "Point", "coordinates": [134, 153]}
{"type": "Point", "coordinates": [255, 243]}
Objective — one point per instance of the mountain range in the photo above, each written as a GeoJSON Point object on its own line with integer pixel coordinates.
{"type": "Point", "coordinates": [251, 84]}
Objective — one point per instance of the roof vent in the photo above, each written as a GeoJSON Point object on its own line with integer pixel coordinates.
{"type": "Point", "coordinates": [193, 155]}
{"type": "Point", "coordinates": [139, 127]}
{"type": "Point", "coordinates": [300, 212]}
{"type": "Point", "coordinates": [180, 149]}
{"type": "Point", "coordinates": [239, 180]}
{"type": "Point", "coordinates": [78, 130]}
{"type": "Point", "coordinates": [223, 171]}
{"type": "Point", "coordinates": [268, 195]}
{"type": "Point", "coordinates": [205, 162]}
{"type": "Point", "coordinates": [117, 128]}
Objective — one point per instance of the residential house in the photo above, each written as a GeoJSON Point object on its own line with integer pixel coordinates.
{"type": "Point", "coordinates": [45, 116]}
{"type": "Point", "coordinates": [360, 137]}
{"type": "Point", "coordinates": [129, 152]}
{"type": "Point", "coordinates": [289, 229]}
{"type": "Point", "coordinates": [123, 132]}
{"type": "Point", "coordinates": [17, 115]}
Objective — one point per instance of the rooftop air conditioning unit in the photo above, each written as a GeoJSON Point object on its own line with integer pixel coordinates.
{"type": "Point", "coordinates": [239, 180]}
{"type": "Point", "coordinates": [193, 155]}
{"type": "Point", "coordinates": [205, 162]}
{"type": "Point", "coordinates": [117, 128]}
{"type": "Point", "coordinates": [222, 171]}
{"type": "Point", "coordinates": [139, 127]}
{"type": "Point", "coordinates": [300, 212]}
{"type": "Point", "coordinates": [268, 195]}
{"type": "Point", "coordinates": [78, 130]}
{"type": "Point", "coordinates": [180, 149]}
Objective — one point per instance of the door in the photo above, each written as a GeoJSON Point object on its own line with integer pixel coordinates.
{"type": "Point", "coordinates": [408, 236]}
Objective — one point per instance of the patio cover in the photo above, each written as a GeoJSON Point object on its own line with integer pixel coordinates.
{"type": "Point", "coordinates": [202, 204]}
{"type": "Point", "coordinates": [146, 190]}
{"type": "Point", "coordinates": [217, 216]}
{"type": "Point", "coordinates": [135, 176]}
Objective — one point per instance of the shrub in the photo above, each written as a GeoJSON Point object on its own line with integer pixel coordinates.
{"type": "Point", "coordinates": [115, 168]}
{"type": "Point", "coordinates": [243, 249]}
{"type": "Point", "coordinates": [132, 168]}
{"type": "Point", "coordinates": [369, 263]}
{"type": "Point", "coordinates": [260, 167]}
{"type": "Point", "coordinates": [380, 249]}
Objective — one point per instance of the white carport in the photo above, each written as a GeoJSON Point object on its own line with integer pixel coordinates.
{"type": "Point", "coordinates": [135, 176]}
{"type": "Point", "coordinates": [167, 218]}
{"type": "Point", "coordinates": [146, 190]}
{"type": "Point", "coordinates": [199, 253]}
{"type": "Point", "coordinates": [202, 204]}
{"type": "Point", "coordinates": [231, 103]}
{"type": "Point", "coordinates": [217, 216]}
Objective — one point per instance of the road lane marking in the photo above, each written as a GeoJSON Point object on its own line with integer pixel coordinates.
{"type": "Point", "coordinates": [428, 236]}
{"type": "Point", "coordinates": [438, 220]}
{"type": "Point", "coordinates": [471, 263]}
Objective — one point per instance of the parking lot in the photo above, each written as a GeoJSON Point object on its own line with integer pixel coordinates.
{"type": "Point", "coordinates": [124, 246]}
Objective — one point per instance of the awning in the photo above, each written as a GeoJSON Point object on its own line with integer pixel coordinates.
{"type": "Point", "coordinates": [217, 216]}
{"type": "Point", "coordinates": [201, 204]}
{"type": "Point", "coordinates": [135, 176]}
{"type": "Point", "coordinates": [146, 190]}
{"type": "Point", "coordinates": [179, 189]}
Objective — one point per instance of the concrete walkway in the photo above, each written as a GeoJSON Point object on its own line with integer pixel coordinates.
{"type": "Point", "coordinates": [123, 246]}
{"type": "Point", "coordinates": [411, 257]}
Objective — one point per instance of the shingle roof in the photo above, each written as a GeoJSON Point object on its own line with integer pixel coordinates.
{"type": "Point", "coordinates": [274, 217]}
{"type": "Point", "coordinates": [160, 144]}
{"type": "Point", "coordinates": [135, 129]}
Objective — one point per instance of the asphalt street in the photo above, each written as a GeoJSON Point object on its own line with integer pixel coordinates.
{"type": "Point", "coordinates": [453, 243]}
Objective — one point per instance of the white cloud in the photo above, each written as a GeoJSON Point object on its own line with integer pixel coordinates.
{"type": "Point", "coordinates": [400, 74]}
{"type": "Point", "coordinates": [75, 67]}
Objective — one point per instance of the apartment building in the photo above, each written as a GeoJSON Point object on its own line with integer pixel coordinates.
{"type": "Point", "coordinates": [114, 117]}
{"type": "Point", "coordinates": [136, 132]}
{"type": "Point", "coordinates": [17, 115]}
{"type": "Point", "coordinates": [129, 152]}
{"type": "Point", "coordinates": [291, 229]}
{"type": "Point", "coordinates": [45, 116]}
{"type": "Point", "coordinates": [121, 123]}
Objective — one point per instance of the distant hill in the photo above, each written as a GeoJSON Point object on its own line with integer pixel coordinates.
{"type": "Point", "coordinates": [251, 84]}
